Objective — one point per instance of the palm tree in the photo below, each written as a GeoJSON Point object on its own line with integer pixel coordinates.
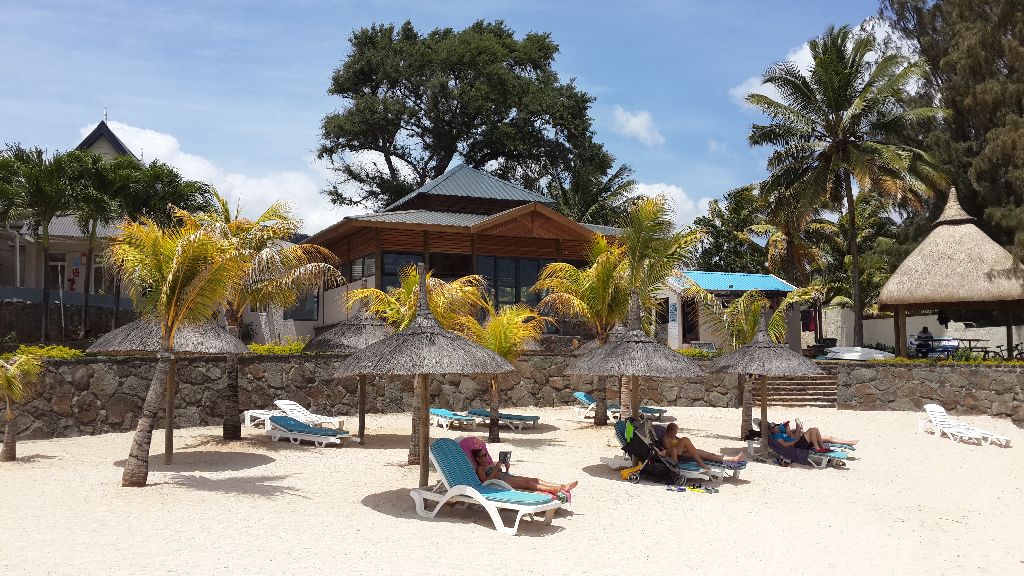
{"type": "Point", "coordinates": [505, 332]}
{"type": "Point", "coordinates": [16, 376]}
{"type": "Point", "coordinates": [450, 302]}
{"type": "Point", "coordinates": [592, 195]}
{"type": "Point", "coordinates": [102, 182]}
{"type": "Point", "coordinates": [44, 187]}
{"type": "Point", "coordinates": [180, 277]}
{"type": "Point", "coordinates": [841, 122]}
{"type": "Point", "coordinates": [277, 273]}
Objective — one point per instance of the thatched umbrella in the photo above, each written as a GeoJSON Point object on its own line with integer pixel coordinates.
{"type": "Point", "coordinates": [142, 338]}
{"type": "Point", "coordinates": [955, 266]}
{"type": "Point", "coordinates": [345, 338]}
{"type": "Point", "coordinates": [601, 410]}
{"type": "Point", "coordinates": [634, 354]}
{"type": "Point", "coordinates": [764, 358]}
{"type": "Point", "coordinates": [422, 349]}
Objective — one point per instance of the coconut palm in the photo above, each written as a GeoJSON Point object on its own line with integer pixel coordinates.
{"type": "Point", "coordinates": [16, 377]}
{"type": "Point", "coordinates": [843, 122]}
{"type": "Point", "coordinates": [102, 182]}
{"type": "Point", "coordinates": [737, 321]}
{"type": "Point", "coordinates": [179, 277]}
{"type": "Point", "coordinates": [450, 302]}
{"type": "Point", "coordinates": [589, 194]}
{"type": "Point", "coordinates": [504, 332]}
{"type": "Point", "coordinates": [277, 273]}
{"type": "Point", "coordinates": [44, 186]}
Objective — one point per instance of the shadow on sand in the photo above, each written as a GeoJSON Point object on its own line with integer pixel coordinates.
{"type": "Point", "coordinates": [205, 461]}
{"type": "Point", "coordinates": [398, 504]}
{"type": "Point", "coordinates": [35, 458]}
{"type": "Point", "coordinates": [244, 485]}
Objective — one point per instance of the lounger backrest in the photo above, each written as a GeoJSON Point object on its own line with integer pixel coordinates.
{"type": "Point", "coordinates": [938, 415]}
{"type": "Point", "coordinates": [452, 463]}
{"type": "Point", "coordinates": [293, 408]}
{"type": "Point", "coordinates": [584, 398]}
{"type": "Point", "coordinates": [620, 432]}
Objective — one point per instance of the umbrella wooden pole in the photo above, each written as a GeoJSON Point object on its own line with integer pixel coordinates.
{"type": "Point", "coordinates": [422, 382]}
{"type": "Point", "coordinates": [169, 415]}
{"type": "Point", "coordinates": [1009, 336]}
{"type": "Point", "coordinates": [362, 410]}
{"type": "Point", "coordinates": [634, 396]}
{"type": "Point", "coordinates": [764, 412]}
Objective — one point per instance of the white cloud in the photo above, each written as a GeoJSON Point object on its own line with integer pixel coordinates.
{"type": "Point", "coordinates": [716, 147]}
{"type": "Point", "coordinates": [686, 208]}
{"type": "Point", "coordinates": [638, 125]}
{"type": "Point", "coordinates": [252, 192]}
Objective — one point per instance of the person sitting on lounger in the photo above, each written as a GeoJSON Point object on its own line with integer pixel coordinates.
{"type": "Point", "coordinates": [486, 471]}
{"type": "Point", "coordinates": [673, 447]}
{"type": "Point", "coordinates": [810, 439]}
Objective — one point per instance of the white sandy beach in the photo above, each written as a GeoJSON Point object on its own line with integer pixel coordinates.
{"type": "Point", "coordinates": [909, 503]}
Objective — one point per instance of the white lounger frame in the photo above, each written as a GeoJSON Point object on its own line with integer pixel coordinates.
{"type": "Point", "coordinates": [275, 433]}
{"type": "Point", "coordinates": [447, 423]}
{"type": "Point", "coordinates": [940, 422]}
{"type": "Point", "coordinates": [253, 417]}
{"type": "Point", "coordinates": [516, 425]}
{"type": "Point", "coordinates": [299, 412]}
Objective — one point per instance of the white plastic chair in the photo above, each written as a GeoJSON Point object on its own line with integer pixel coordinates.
{"type": "Point", "coordinates": [295, 410]}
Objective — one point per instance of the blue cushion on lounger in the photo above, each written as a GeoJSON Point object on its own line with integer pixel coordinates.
{"type": "Point", "coordinates": [292, 425]}
{"type": "Point", "coordinates": [443, 413]}
{"type": "Point", "coordinates": [482, 413]}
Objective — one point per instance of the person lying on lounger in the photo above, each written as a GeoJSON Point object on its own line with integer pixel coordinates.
{"type": "Point", "coordinates": [486, 471]}
{"type": "Point", "coordinates": [673, 447]}
{"type": "Point", "coordinates": [810, 439]}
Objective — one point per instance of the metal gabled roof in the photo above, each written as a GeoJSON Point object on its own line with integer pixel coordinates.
{"type": "Point", "coordinates": [469, 182]}
{"type": "Point", "coordinates": [66, 226]}
{"type": "Point", "coordinates": [424, 217]}
{"type": "Point", "coordinates": [605, 230]}
{"type": "Point", "coordinates": [732, 282]}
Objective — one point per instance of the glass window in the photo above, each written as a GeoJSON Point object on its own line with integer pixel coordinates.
{"type": "Point", "coordinates": [661, 311]}
{"type": "Point", "coordinates": [393, 264]}
{"type": "Point", "coordinates": [307, 308]}
{"type": "Point", "coordinates": [448, 267]}
{"type": "Point", "coordinates": [357, 270]}
{"type": "Point", "coordinates": [528, 270]}
{"type": "Point", "coordinates": [505, 281]}
{"type": "Point", "coordinates": [369, 265]}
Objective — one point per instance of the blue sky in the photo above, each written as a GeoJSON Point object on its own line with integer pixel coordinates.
{"type": "Point", "coordinates": [234, 92]}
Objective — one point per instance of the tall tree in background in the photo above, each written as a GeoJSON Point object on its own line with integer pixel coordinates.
{"type": "Point", "coordinates": [845, 121]}
{"type": "Point", "coordinates": [416, 103]}
{"type": "Point", "coordinates": [725, 247]}
{"type": "Point", "coordinates": [591, 189]}
{"type": "Point", "coordinates": [975, 55]}
{"type": "Point", "coordinates": [44, 185]}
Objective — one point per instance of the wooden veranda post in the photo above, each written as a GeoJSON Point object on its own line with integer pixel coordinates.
{"type": "Point", "coordinates": [423, 383]}
{"type": "Point", "coordinates": [1009, 335]}
{"type": "Point", "coordinates": [900, 321]}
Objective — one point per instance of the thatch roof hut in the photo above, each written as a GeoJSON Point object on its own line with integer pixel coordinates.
{"type": "Point", "coordinates": [423, 348]}
{"type": "Point", "coordinates": [349, 336]}
{"type": "Point", "coordinates": [955, 266]}
{"type": "Point", "coordinates": [633, 354]}
{"type": "Point", "coordinates": [142, 337]}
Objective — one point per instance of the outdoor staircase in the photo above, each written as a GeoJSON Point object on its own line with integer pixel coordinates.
{"type": "Point", "coordinates": [816, 391]}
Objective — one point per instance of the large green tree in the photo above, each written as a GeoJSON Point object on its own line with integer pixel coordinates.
{"type": "Point", "coordinates": [724, 246]}
{"type": "Point", "coordinates": [845, 121]}
{"type": "Point", "coordinates": [974, 50]}
{"type": "Point", "coordinates": [415, 103]}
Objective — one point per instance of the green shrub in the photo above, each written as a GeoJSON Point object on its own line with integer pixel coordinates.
{"type": "Point", "coordinates": [43, 351]}
{"type": "Point", "coordinates": [973, 359]}
{"type": "Point", "coordinates": [289, 347]}
{"type": "Point", "coordinates": [695, 353]}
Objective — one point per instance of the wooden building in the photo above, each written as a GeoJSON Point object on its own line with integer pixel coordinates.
{"type": "Point", "coordinates": [463, 222]}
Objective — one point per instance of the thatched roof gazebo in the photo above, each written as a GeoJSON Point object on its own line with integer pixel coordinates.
{"type": "Point", "coordinates": [634, 354]}
{"type": "Point", "coordinates": [345, 338]}
{"type": "Point", "coordinates": [142, 337]}
{"type": "Point", "coordinates": [955, 266]}
{"type": "Point", "coordinates": [422, 349]}
{"type": "Point", "coordinates": [763, 358]}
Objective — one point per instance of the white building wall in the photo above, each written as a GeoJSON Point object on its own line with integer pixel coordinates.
{"type": "Point", "coordinates": [838, 323]}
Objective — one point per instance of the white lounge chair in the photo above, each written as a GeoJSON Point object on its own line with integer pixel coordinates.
{"type": "Point", "coordinates": [459, 483]}
{"type": "Point", "coordinates": [513, 421]}
{"type": "Point", "coordinates": [288, 428]}
{"type": "Point", "coordinates": [586, 407]}
{"type": "Point", "coordinates": [941, 423]}
{"type": "Point", "coordinates": [295, 410]}
{"type": "Point", "coordinates": [253, 417]}
{"type": "Point", "coordinates": [446, 419]}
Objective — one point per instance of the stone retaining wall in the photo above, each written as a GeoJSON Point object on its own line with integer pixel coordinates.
{"type": "Point", "coordinates": [97, 395]}
{"type": "Point", "coordinates": [964, 388]}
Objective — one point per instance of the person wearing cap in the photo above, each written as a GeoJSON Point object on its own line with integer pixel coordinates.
{"type": "Point", "coordinates": [810, 439]}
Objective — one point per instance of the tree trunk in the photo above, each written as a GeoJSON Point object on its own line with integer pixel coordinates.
{"type": "Point", "coordinates": [424, 457]}
{"type": "Point", "coordinates": [10, 450]}
{"type": "Point", "coordinates": [747, 403]}
{"type": "Point", "coordinates": [87, 284]}
{"type": "Point", "coordinates": [117, 303]}
{"type": "Point", "coordinates": [362, 411]}
{"type": "Point", "coordinates": [601, 395]}
{"type": "Point", "coordinates": [858, 302]}
{"type": "Point", "coordinates": [493, 435]}
{"type": "Point", "coordinates": [626, 397]}
{"type": "Point", "coordinates": [169, 414]}
{"type": "Point", "coordinates": [232, 429]}
{"type": "Point", "coordinates": [136, 469]}
{"type": "Point", "coordinates": [46, 282]}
